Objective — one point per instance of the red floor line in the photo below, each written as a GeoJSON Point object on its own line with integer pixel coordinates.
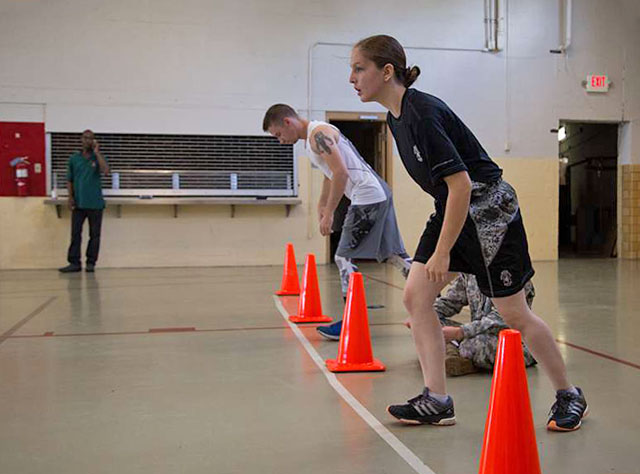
{"type": "Point", "coordinates": [166, 330]}
{"type": "Point", "coordinates": [9, 332]}
{"type": "Point", "coordinates": [79, 334]}
{"type": "Point", "coordinates": [133, 333]}
{"type": "Point", "coordinates": [599, 354]}
{"type": "Point", "coordinates": [8, 335]}
{"type": "Point", "coordinates": [259, 328]}
{"type": "Point", "coordinates": [157, 330]}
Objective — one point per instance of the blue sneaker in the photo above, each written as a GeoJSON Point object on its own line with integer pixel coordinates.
{"type": "Point", "coordinates": [331, 332]}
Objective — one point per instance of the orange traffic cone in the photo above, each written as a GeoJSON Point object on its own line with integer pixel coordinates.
{"type": "Point", "coordinates": [290, 284]}
{"type": "Point", "coordinates": [309, 305]}
{"type": "Point", "coordinates": [509, 438]}
{"type": "Point", "coordinates": [354, 353]}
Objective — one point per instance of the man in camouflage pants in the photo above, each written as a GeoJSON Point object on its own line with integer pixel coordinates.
{"type": "Point", "coordinates": [472, 346]}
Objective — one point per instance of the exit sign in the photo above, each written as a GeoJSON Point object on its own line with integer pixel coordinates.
{"type": "Point", "coordinates": [597, 83]}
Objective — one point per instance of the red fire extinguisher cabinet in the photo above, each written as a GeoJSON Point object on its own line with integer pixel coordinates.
{"type": "Point", "coordinates": [22, 139]}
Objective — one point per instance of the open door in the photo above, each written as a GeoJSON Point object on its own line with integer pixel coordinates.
{"type": "Point", "coordinates": [369, 134]}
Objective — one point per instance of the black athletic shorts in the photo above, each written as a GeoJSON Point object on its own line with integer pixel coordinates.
{"type": "Point", "coordinates": [492, 244]}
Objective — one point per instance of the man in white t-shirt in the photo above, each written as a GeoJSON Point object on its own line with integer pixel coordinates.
{"type": "Point", "coordinates": [370, 229]}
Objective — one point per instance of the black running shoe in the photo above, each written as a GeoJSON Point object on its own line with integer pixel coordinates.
{"type": "Point", "coordinates": [568, 411]}
{"type": "Point", "coordinates": [424, 409]}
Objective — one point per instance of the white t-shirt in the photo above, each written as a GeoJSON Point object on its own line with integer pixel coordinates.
{"type": "Point", "coordinates": [362, 186]}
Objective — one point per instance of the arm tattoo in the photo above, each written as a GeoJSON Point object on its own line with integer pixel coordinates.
{"type": "Point", "coordinates": [323, 142]}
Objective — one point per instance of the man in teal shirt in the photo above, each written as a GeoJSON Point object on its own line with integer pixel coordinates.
{"type": "Point", "coordinates": [85, 201]}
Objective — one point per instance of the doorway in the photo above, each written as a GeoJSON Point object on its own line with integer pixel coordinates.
{"type": "Point", "coordinates": [588, 155]}
{"type": "Point", "coordinates": [369, 134]}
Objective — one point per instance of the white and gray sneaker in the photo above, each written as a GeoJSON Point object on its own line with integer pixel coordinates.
{"type": "Point", "coordinates": [425, 409]}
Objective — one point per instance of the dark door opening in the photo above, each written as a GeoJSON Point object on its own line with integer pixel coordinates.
{"type": "Point", "coordinates": [370, 139]}
{"type": "Point", "coordinates": [588, 189]}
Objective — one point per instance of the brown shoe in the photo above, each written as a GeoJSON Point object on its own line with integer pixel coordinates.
{"type": "Point", "coordinates": [455, 365]}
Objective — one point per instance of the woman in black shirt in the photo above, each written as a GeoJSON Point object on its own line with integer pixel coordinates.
{"type": "Point", "coordinates": [477, 228]}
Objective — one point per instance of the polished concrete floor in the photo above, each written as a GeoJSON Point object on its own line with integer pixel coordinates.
{"type": "Point", "coordinates": [196, 371]}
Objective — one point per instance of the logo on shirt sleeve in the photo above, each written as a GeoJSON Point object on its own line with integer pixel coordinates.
{"type": "Point", "coordinates": [417, 153]}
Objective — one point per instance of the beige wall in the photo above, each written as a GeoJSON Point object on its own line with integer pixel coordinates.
{"type": "Point", "coordinates": [536, 182]}
{"type": "Point", "coordinates": [629, 238]}
{"type": "Point", "coordinates": [31, 236]}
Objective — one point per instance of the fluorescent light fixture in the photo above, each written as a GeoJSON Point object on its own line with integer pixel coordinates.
{"type": "Point", "coordinates": [562, 134]}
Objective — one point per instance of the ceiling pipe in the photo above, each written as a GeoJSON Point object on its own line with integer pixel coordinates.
{"type": "Point", "coordinates": [491, 20]}
{"type": "Point", "coordinates": [566, 13]}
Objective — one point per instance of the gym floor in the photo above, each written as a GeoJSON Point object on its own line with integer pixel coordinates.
{"type": "Point", "coordinates": [197, 371]}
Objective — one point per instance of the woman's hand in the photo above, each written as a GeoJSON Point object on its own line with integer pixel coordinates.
{"type": "Point", "coordinates": [437, 267]}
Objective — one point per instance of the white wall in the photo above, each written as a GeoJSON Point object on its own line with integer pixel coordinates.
{"type": "Point", "coordinates": [213, 67]}
{"type": "Point", "coordinates": [203, 66]}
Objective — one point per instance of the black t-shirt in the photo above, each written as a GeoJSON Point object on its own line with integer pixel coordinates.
{"type": "Point", "coordinates": [434, 143]}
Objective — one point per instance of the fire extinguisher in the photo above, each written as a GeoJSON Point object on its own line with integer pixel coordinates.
{"type": "Point", "coordinates": [21, 164]}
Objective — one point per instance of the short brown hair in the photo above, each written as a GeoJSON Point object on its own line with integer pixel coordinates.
{"type": "Point", "coordinates": [383, 50]}
{"type": "Point", "coordinates": [276, 114]}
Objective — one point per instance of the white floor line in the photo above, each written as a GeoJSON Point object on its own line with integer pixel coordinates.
{"type": "Point", "coordinates": [405, 453]}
